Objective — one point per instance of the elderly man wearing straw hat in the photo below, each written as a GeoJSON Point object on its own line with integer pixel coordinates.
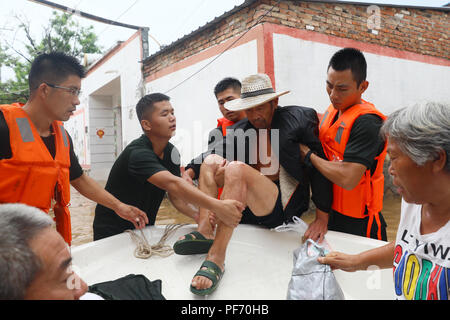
{"type": "Point", "coordinates": [270, 178]}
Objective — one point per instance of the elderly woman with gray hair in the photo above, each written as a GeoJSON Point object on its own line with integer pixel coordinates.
{"type": "Point", "coordinates": [35, 262]}
{"type": "Point", "coordinates": [419, 149]}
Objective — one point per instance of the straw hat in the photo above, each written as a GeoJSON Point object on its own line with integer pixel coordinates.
{"type": "Point", "coordinates": [256, 90]}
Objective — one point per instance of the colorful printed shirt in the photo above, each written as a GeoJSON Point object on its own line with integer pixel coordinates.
{"type": "Point", "coordinates": [421, 262]}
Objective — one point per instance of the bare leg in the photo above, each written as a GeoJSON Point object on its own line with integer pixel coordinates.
{"type": "Point", "coordinates": [247, 185]}
{"type": "Point", "coordinates": [209, 184]}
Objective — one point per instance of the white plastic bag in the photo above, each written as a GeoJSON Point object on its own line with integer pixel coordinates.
{"type": "Point", "coordinates": [297, 225]}
{"type": "Point", "coordinates": [310, 279]}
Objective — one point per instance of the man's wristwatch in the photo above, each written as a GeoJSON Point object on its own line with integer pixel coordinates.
{"type": "Point", "coordinates": [307, 159]}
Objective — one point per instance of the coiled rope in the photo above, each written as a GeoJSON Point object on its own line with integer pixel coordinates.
{"type": "Point", "coordinates": [144, 250]}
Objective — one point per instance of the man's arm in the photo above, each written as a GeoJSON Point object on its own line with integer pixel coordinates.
{"type": "Point", "coordinates": [364, 144]}
{"type": "Point", "coordinates": [322, 196]}
{"type": "Point", "coordinates": [184, 207]}
{"type": "Point", "coordinates": [307, 128]}
{"type": "Point", "coordinates": [230, 210]}
{"type": "Point", "coordinates": [344, 174]}
{"type": "Point", "coordinates": [318, 228]}
{"type": "Point", "coordinates": [95, 192]}
{"type": "Point", "coordinates": [5, 148]}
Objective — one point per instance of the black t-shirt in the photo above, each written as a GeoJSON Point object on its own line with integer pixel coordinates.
{"type": "Point", "coordinates": [5, 149]}
{"type": "Point", "coordinates": [128, 182]}
{"type": "Point", "coordinates": [365, 142]}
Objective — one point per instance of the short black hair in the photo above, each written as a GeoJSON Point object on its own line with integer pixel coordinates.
{"type": "Point", "coordinates": [350, 58]}
{"type": "Point", "coordinates": [147, 102]}
{"type": "Point", "coordinates": [227, 83]}
{"type": "Point", "coordinates": [53, 68]}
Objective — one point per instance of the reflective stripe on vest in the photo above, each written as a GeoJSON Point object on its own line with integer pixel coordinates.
{"type": "Point", "coordinates": [323, 119]}
{"type": "Point", "coordinates": [339, 133]}
{"type": "Point", "coordinates": [25, 129]}
{"type": "Point", "coordinates": [64, 135]}
{"type": "Point", "coordinates": [31, 174]}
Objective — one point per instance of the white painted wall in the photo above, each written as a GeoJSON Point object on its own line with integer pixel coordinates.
{"type": "Point", "coordinates": [102, 147]}
{"type": "Point", "coordinates": [300, 66]}
{"type": "Point", "coordinates": [116, 82]}
{"type": "Point", "coordinates": [194, 102]}
{"type": "Point", "coordinates": [78, 129]}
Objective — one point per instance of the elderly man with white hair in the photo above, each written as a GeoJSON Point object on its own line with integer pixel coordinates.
{"type": "Point", "coordinates": [419, 149]}
{"type": "Point", "coordinates": [35, 262]}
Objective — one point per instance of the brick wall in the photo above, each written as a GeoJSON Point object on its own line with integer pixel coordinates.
{"type": "Point", "coordinates": [415, 30]}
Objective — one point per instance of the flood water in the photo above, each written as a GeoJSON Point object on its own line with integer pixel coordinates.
{"type": "Point", "coordinates": [82, 212]}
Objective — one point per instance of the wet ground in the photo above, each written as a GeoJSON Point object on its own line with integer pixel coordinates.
{"type": "Point", "coordinates": [82, 212]}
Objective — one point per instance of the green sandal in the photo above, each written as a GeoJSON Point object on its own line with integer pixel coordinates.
{"type": "Point", "coordinates": [213, 273]}
{"type": "Point", "coordinates": [193, 243]}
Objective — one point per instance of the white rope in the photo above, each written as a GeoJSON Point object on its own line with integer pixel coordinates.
{"type": "Point", "coordinates": [144, 250]}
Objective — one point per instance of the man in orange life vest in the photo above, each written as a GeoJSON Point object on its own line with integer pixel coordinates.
{"type": "Point", "coordinates": [37, 160]}
{"type": "Point", "coordinates": [349, 132]}
{"type": "Point", "coordinates": [227, 89]}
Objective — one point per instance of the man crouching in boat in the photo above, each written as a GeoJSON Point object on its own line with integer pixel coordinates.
{"type": "Point", "coordinates": [148, 167]}
{"type": "Point", "coordinates": [267, 139]}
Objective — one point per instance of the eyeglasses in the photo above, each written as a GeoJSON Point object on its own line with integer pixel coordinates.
{"type": "Point", "coordinates": [73, 91]}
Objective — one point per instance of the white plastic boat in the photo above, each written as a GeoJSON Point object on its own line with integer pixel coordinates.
{"type": "Point", "coordinates": [258, 265]}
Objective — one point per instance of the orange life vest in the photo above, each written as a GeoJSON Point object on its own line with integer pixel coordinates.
{"type": "Point", "coordinates": [223, 123]}
{"type": "Point", "coordinates": [31, 176]}
{"type": "Point", "coordinates": [369, 191]}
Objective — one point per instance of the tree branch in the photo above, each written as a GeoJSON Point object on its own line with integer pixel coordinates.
{"type": "Point", "coordinates": [18, 52]}
{"type": "Point", "coordinates": [26, 27]}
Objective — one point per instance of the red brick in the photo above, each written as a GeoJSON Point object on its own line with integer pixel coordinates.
{"type": "Point", "coordinates": [343, 20]}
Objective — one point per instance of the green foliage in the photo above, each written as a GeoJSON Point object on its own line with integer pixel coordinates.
{"type": "Point", "coordinates": [13, 90]}
{"type": "Point", "coordinates": [63, 33]}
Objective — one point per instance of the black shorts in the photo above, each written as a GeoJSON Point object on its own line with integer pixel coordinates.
{"type": "Point", "coordinates": [343, 223]}
{"type": "Point", "coordinates": [274, 219]}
